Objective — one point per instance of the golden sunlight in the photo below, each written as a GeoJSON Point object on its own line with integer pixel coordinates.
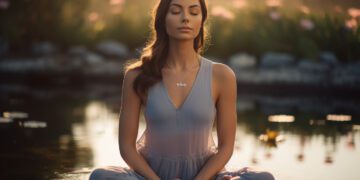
{"type": "Point", "coordinates": [221, 11]}
{"type": "Point", "coordinates": [281, 118]}
{"type": "Point", "coordinates": [338, 117]}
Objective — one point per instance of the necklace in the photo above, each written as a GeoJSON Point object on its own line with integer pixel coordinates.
{"type": "Point", "coordinates": [182, 83]}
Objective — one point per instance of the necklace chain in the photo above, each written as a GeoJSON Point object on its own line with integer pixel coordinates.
{"type": "Point", "coordinates": [182, 83]}
{"type": "Point", "coordinates": [198, 64]}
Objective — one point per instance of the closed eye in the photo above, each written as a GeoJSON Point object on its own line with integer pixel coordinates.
{"type": "Point", "coordinates": [194, 10]}
{"type": "Point", "coordinates": [176, 9]}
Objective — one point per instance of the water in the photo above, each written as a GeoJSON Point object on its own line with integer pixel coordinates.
{"type": "Point", "coordinates": [62, 133]}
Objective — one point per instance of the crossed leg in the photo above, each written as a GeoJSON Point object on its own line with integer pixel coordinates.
{"type": "Point", "coordinates": [124, 173]}
{"type": "Point", "coordinates": [115, 173]}
{"type": "Point", "coordinates": [246, 173]}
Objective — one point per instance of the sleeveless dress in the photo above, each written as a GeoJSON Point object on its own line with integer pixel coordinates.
{"type": "Point", "coordinates": [177, 142]}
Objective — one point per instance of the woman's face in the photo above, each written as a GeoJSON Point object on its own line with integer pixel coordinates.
{"type": "Point", "coordinates": [183, 19]}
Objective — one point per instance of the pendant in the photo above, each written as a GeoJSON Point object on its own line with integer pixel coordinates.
{"type": "Point", "coordinates": [180, 84]}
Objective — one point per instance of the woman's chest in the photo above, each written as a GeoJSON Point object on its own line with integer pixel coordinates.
{"type": "Point", "coordinates": [197, 110]}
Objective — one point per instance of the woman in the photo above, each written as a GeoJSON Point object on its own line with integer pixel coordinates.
{"type": "Point", "coordinates": [182, 93]}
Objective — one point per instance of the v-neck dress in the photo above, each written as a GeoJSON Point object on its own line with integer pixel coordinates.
{"type": "Point", "coordinates": [177, 141]}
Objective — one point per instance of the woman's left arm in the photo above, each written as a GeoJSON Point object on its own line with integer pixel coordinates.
{"type": "Point", "coordinates": [226, 121]}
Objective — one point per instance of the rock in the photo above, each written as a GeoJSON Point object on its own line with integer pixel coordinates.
{"type": "Point", "coordinates": [78, 51]}
{"type": "Point", "coordinates": [80, 56]}
{"type": "Point", "coordinates": [108, 68]}
{"type": "Point", "coordinates": [242, 61]}
{"type": "Point", "coordinates": [348, 74]}
{"type": "Point", "coordinates": [93, 58]}
{"type": "Point", "coordinates": [290, 75]}
{"type": "Point", "coordinates": [312, 67]}
{"type": "Point", "coordinates": [112, 49]}
{"type": "Point", "coordinates": [259, 76]}
{"type": "Point", "coordinates": [284, 75]}
{"type": "Point", "coordinates": [43, 48]}
{"type": "Point", "coordinates": [28, 65]}
{"type": "Point", "coordinates": [328, 58]}
{"type": "Point", "coordinates": [276, 60]}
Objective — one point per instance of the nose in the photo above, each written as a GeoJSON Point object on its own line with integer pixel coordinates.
{"type": "Point", "coordinates": [185, 18]}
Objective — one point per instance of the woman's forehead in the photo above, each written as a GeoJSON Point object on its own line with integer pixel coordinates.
{"type": "Point", "coordinates": [185, 3]}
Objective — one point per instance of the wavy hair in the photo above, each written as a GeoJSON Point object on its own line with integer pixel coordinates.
{"type": "Point", "coordinates": [155, 52]}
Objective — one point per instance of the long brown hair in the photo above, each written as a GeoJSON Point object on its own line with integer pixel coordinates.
{"type": "Point", "coordinates": [153, 56]}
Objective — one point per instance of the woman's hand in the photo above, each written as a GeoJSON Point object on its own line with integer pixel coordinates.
{"type": "Point", "coordinates": [229, 177]}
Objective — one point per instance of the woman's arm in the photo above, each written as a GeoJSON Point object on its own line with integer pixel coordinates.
{"type": "Point", "coordinates": [128, 128]}
{"type": "Point", "coordinates": [226, 121]}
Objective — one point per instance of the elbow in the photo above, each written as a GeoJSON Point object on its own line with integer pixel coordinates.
{"type": "Point", "coordinates": [125, 150]}
{"type": "Point", "coordinates": [227, 150]}
{"type": "Point", "coordinates": [122, 151]}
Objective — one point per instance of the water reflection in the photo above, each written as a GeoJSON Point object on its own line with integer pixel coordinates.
{"type": "Point", "coordinates": [281, 118]}
{"type": "Point", "coordinates": [33, 124]}
{"type": "Point", "coordinates": [77, 131]}
{"type": "Point", "coordinates": [356, 127]}
{"type": "Point", "coordinates": [5, 120]}
{"type": "Point", "coordinates": [317, 122]}
{"type": "Point", "coordinates": [99, 132]}
{"type": "Point", "coordinates": [18, 115]}
{"type": "Point", "coordinates": [338, 117]}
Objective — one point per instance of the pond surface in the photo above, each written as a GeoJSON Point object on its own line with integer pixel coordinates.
{"type": "Point", "coordinates": [62, 133]}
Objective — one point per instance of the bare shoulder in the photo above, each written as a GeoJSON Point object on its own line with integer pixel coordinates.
{"type": "Point", "coordinates": [224, 80]}
{"type": "Point", "coordinates": [128, 85]}
{"type": "Point", "coordinates": [130, 75]}
{"type": "Point", "coordinates": [223, 73]}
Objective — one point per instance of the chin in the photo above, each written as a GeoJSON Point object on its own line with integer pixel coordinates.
{"type": "Point", "coordinates": [184, 37]}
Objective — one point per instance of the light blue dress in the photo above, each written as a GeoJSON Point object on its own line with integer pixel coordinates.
{"type": "Point", "coordinates": [177, 142]}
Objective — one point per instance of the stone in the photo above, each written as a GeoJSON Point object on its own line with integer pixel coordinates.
{"type": "Point", "coordinates": [328, 58]}
{"type": "Point", "coordinates": [242, 61]}
{"type": "Point", "coordinates": [112, 49]}
{"type": "Point", "coordinates": [310, 66]}
{"type": "Point", "coordinates": [277, 60]}
{"type": "Point", "coordinates": [78, 51]}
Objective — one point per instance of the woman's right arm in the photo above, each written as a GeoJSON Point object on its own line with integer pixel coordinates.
{"type": "Point", "coordinates": [128, 128]}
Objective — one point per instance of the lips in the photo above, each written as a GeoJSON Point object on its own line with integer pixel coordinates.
{"type": "Point", "coordinates": [185, 28]}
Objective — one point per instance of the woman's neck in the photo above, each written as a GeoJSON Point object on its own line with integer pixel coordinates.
{"type": "Point", "coordinates": [182, 55]}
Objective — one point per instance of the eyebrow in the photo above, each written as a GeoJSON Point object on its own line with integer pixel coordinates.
{"type": "Point", "coordinates": [192, 6]}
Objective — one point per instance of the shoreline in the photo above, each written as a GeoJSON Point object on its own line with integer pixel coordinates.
{"type": "Point", "coordinates": [75, 79]}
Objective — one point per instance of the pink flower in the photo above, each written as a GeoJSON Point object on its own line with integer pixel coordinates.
{"type": "Point", "coordinates": [93, 16]}
{"type": "Point", "coordinates": [274, 15]}
{"type": "Point", "coordinates": [304, 9]}
{"type": "Point", "coordinates": [354, 13]}
{"type": "Point", "coordinates": [307, 24]}
{"type": "Point", "coordinates": [220, 11]}
{"type": "Point", "coordinates": [273, 3]}
{"type": "Point", "coordinates": [240, 3]}
{"type": "Point", "coordinates": [351, 23]}
{"type": "Point", "coordinates": [117, 2]}
{"type": "Point", "coordinates": [4, 4]}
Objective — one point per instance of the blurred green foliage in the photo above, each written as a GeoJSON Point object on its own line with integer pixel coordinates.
{"type": "Point", "coordinates": [255, 32]}
{"type": "Point", "coordinates": [252, 30]}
